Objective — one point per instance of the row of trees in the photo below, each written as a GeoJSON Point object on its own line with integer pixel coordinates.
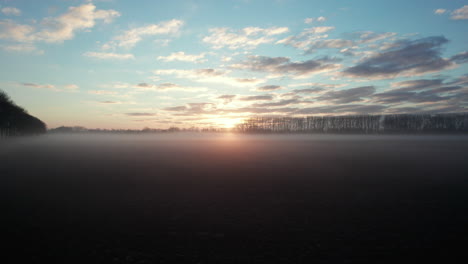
{"type": "Point", "coordinates": [400, 123]}
{"type": "Point", "coordinates": [80, 129]}
{"type": "Point", "coordinates": [15, 121]}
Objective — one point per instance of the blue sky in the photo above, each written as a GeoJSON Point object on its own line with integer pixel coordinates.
{"type": "Point", "coordinates": [135, 64]}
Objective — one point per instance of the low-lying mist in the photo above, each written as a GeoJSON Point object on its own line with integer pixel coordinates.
{"type": "Point", "coordinates": [230, 198]}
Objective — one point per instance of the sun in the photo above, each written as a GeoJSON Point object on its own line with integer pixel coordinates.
{"type": "Point", "coordinates": [226, 122]}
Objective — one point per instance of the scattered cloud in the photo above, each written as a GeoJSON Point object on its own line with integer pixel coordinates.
{"type": "Point", "coordinates": [176, 108]}
{"type": "Point", "coordinates": [192, 109]}
{"type": "Point", "coordinates": [348, 96]}
{"type": "Point", "coordinates": [279, 103]}
{"type": "Point", "coordinates": [310, 20]}
{"type": "Point", "coordinates": [10, 30]}
{"type": "Point", "coordinates": [440, 11]}
{"type": "Point", "coordinates": [421, 91]}
{"type": "Point", "coordinates": [460, 57]}
{"type": "Point", "coordinates": [257, 98]}
{"type": "Point", "coordinates": [130, 38]}
{"type": "Point", "coordinates": [227, 98]}
{"type": "Point", "coordinates": [247, 38]}
{"type": "Point", "coordinates": [315, 38]}
{"type": "Point", "coordinates": [11, 11]}
{"type": "Point", "coordinates": [109, 55]}
{"type": "Point", "coordinates": [415, 85]}
{"type": "Point", "coordinates": [392, 97]}
{"type": "Point", "coordinates": [22, 48]}
{"type": "Point", "coordinates": [210, 76]}
{"type": "Point", "coordinates": [460, 14]}
{"type": "Point", "coordinates": [405, 58]}
{"type": "Point", "coordinates": [140, 114]}
{"type": "Point", "coordinates": [280, 66]}
{"type": "Point", "coordinates": [40, 86]}
{"type": "Point", "coordinates": [308, 90]}
{"type": "Point", "coordinates": [168, 86]}
{"type": "Point", "coordinates": [102, 92]}
{"type": "Point", "coordinates": [181, 56]}
{"type": "Point", "coordinates": [71, 87]}
{"type": "Point", "coordinates": [269, 88]}
{"type": "Point", "coordinates": [54, 29]}
{"type": "Point", "coordinates": [357, 109]}
{"type": "Point", "coordinates": [61, 28]}
{"type": "Point", "coordinates": [321, 19]}
{"type": "Point", "coordinates": [51, 87]}
{"type": "Point", "coordinates": [370, 36]}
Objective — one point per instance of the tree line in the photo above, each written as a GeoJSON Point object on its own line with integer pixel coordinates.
{"type": "Point", "coordinates": [15, 120]}
{"type": "Point", "coordinates": [397, 123]}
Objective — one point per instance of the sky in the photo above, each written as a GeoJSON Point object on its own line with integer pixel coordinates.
{"type": "Point", "coordinates": [134, 64]}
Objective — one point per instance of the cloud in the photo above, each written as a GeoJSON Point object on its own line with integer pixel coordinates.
{"type": "Point", "coordinates": [269, 88]}
{"type": "Point", "coordinates": [405, 58]}
{"type": "Point", "coordinates": [263, 110]}
{"type": "Point", "coordinates": [131, 37]}
{"type": "Point", "coordinates": [193, 109]}
{"type": "Point", "coordinates": [210, 76]}
{"type": "Point", "coordinates": [109, 55]}
{"type": "Point", "coordinates": [279, 103]}
{"type": "Point", "coordinates": [415, 85]}
{"type": "Point", "coordinates": [11, 11]}
{"type": "Point", "coordinates": [321, 19]}
{"type": "Point", "coordinates": [12, 31]}
{"type": "Point", "coordinates": [327, 44]}
{"type": "Point", "coordinates": [181, 56]}
{"type": "Point", "coordinates": [462, 81]}
{"type": "Point", "coordinates": [392, 97]}
{"type": "Point", "coordinates": [59, 29]}
{"type": "Point", "coordinates": [108, 102]}
{"type": "Point", "coordinates": [440, 11]}
{"type": "Point", "coordinates": [257, 98]}
{"type": "Point", "coordinates": [227, 98]}
{"type": "Point", "coordinates": [247, 38]}
{"type": "Point", "coordinates": [308, 90]}
{"type": "Point", "coordinates": [318, 85]}
{"type": "Point", "coordinates": [169, 86]}
{"type": "Point", "coordinates": [348, 96]}
{"type": "Point", "coordinates": [460, 58]}
{"type": "Point", "coordinates": [65, 88]}
{"type": "Point", "coordinates": [102, 92]}
{"type": "Point", "coordinates": [23, 48]}
{"type": "Point", "coordinates": [314, 38]}
{"type": "Point", "coordinates": [140, 114]}
{"type": "Point", "coordinates": [310, 20]}
{"type": "Point", "coordinates": [421, 91]}
{"type": "Point", "coordinates": [247, 80]}
{"type": "Point", "coordinates": [370, 36]}
{"type": "Point", "coordinates": [283, 66]}
{"type": "Point", "coordinates": [460, 14]}
{"type": "Point", "coordinates": [357, 109]}
{"type": "Point", "coordinates": [144, 85]}
{"type": "Point", "coordinates": [71, 87]}
{"type": "Point", "coordinates": [56, 29]}
{"type": "Point", "coordinates": [40, 86]}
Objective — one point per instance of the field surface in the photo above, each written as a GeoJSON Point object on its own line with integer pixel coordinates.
{"type": "Point", "coordinates": [227, 198]}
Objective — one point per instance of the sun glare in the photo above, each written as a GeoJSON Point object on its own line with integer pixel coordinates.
{"type": "Point", "coordinates": [227, 122]}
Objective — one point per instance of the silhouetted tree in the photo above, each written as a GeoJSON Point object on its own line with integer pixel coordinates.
{"type": "Point", "coordinates": [14, 120]}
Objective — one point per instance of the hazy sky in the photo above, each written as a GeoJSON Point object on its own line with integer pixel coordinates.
{"type": "Point", "coordinates": [145, 63]}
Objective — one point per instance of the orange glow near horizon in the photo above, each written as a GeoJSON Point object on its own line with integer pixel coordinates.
{"type": "Point", "coordinates": [226, 122]}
